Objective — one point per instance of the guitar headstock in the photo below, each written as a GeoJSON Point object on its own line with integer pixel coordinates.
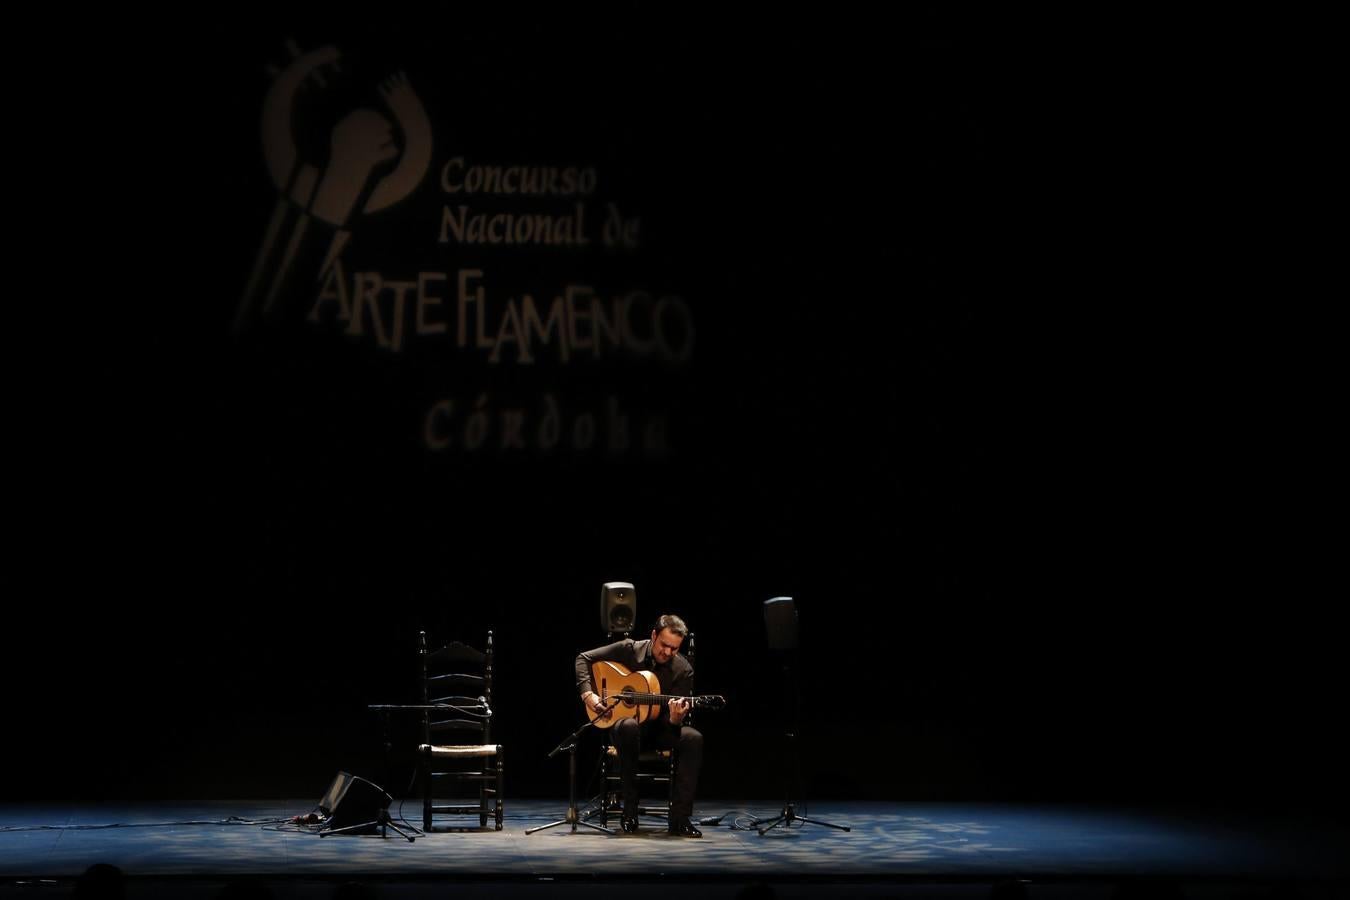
{"type": "Point", "coordinates": [710, 701]}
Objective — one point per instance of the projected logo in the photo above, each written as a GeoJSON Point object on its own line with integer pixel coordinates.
{"type": "Point", "coordinates": [499, 260]}
{"type": "Point", "coordinates": [338, 150]}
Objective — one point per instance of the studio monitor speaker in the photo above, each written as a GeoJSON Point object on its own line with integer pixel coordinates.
{"type": "Point", "coordinates": [352, 800]}
{"type": "Point", "coordinates": [780, 623]}
{"type": "Point", "coordinates": [618, 607]}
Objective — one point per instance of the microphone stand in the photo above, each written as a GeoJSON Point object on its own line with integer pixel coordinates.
{"type": "Point", "coordinates": [569, 744]}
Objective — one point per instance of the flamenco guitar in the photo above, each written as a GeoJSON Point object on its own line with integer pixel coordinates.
{"type": "Point", "coordinates": [635, 695]}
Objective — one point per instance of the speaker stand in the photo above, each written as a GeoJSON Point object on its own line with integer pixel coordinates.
{"type": "Point", "coordinates": [791, 763]}
{"type": "Point", "coordinates": [788, 816]}
{"type": "Point", "coordinates": [382, 821]}
{"type": "Point", "coordinates": [569, 744]}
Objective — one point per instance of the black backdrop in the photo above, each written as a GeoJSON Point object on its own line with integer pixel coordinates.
{"type": "Point", "coordinates": [1035, 551]}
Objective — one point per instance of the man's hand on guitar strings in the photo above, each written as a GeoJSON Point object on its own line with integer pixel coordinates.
{"type": "Point", "coordinates": [600, 707]}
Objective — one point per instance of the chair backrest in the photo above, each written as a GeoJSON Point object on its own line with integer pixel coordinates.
{"type": "Point", "coordinates": [459, 676]}
{"type": "Point", "coordinates": [688, 651]}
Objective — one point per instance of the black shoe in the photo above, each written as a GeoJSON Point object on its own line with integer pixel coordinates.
{"type": "Point", "coordinates": [684, 828]}
{"type": "Point", "coordinates": [629, 824]}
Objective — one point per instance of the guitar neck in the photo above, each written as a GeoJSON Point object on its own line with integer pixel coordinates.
{"type": "Point", "coordinates": [648, 699]}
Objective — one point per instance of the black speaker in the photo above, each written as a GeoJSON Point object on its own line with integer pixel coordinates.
{"type": "Point", "coordinates": [780, 621]}
{"type": "Point", "coordinates": [351, 800]}
{"type": "Point", "coordinates": [618, 607]}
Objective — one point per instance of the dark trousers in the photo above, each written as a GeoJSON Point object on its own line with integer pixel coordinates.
{"type": "Point", "coordinates": [685, 740]}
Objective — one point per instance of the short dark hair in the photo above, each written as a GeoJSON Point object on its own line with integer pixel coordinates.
{"type": "Point", "coordinates": [674, 623]}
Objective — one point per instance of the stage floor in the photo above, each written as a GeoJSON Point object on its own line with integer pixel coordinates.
{"type": "Point", "coordinates": [892, 849]}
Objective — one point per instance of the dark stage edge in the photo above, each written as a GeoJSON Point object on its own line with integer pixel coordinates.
{"type": "Point", "coordinates": [893, 849]}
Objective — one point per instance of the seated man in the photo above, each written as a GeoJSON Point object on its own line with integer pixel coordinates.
{"type": "Point", "coordinates": [659, 655]}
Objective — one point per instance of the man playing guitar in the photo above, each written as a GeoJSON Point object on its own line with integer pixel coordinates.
{"type": "Point", "coordinates": [660, 655]}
